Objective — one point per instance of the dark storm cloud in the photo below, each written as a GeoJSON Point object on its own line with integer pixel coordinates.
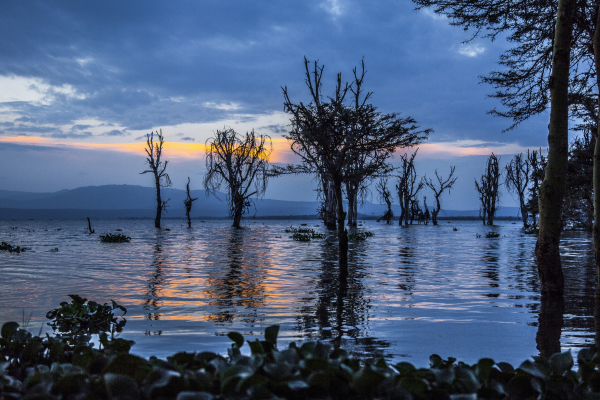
{"type": "Point", "coordinates": [144, 64]}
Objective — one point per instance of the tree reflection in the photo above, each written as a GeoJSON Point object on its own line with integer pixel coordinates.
{"type": "Point", "coordinates": [341, 310]}
{"type": "Point", "coordinates": [243, 283]}
{"type": "Point", "coordinates": [550, 324]}
{"type": "Point", "coordinates": [156, 279]}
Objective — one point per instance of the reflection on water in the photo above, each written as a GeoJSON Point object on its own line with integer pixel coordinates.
{"type": "Point", "coordinates": [410, 291]}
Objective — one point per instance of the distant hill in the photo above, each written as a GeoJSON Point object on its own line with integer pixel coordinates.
{"type": "Point", "coordinates": [129, 201]}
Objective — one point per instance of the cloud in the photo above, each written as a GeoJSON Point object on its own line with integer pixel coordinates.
{"type": "Point", "coordinates": [222, 106]}
{"type": "Point", "coordinates": [71, 135]}
{"type": "Point", "coordinates": [187, 138]}
{"type": "Point", "coordinates": [116, 132]}
{"type": "Point", "coordinates": [471, 49]}
{"type": "Point", "coordinates": [25, 119]}
{"type": "Point", "coordinates": [276, 128]}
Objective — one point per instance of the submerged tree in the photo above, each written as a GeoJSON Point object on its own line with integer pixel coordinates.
{"type": "Point", "coordinates": [157, 167]}
{"type": "Point", "coordinates": [407, 187]}
{"type": "Point", "coordinates": [578, 206]}
{"type": "Point", "coordinates": [518, 173]}
{"type": "Point", "coordinates": [188, 203]}
{"type": "Point", "coordinates": [385, 196]}
{"type": "Point", "coordinates": [488, 189]}
{"type": "Point", "coordinates": [438, 190]}
{"type": "Point", "coordinates": [541, 73]}
{"type": "Point", "coordinates": [241, 161]}
{"type": "Point", "coordinates": [537, 161]}
{"type": "Point", "coordinates": [328, 133]}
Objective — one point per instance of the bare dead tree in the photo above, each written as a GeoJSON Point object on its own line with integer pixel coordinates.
{"type": "Point", "coordinates": [241, 161]}
{"type": "Point", "coordinates": [518, 172]}
{"type": "Point", "coordinates": [327, 134]}
{"type": "Point", "coordinates": [188, 203]}
{"type": "Point", "coordinates": [407, 187]}
{"type": "Point", "coordinates": [385, 196]}
{"type": "Point", "coordinates": [426, 214]}
{"type": "Point", "coordinates": [537, 161]}
{"type": "Point", "coordinates": [438, 190]}
{"type": "Point", "coordinates": [488, 190]}
{"type": "Point", "coordinates": [157, 167]}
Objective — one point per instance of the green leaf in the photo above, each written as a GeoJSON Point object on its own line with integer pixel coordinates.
{"type": "Point", "coordinates": [367, 379]}
{"type": "Point", "coordinates": [271, 334]}
{"type": "Point", "coordinates": [561, 362]}
{"type": "Point", "coordinates": [404, 367]}
{"type": "Point", "coordinates": [533, 369]}
{"type": "Point", "coordinates": [8, 329]}
{"type": "Point", "coordinates": [237, 338]}
{"type": "Point", "coordinates": [414, 386]}
{"type": "Point", "coordinates": [483, 369]}
{"type": "Point", "coordinates": [436, 361]}
{"type": "Point", "coordinates": [256, 347]}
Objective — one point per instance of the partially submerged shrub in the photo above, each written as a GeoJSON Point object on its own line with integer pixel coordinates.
{"type": "Point", "coordinates": [10, 248]}
{"type": "Point", "coordinates": [304, 234]}
{"type": "Point", "coordinates": [76, 322]}
{"type": "Point", "coordinates": [312, 370]}
{"type": "Point", "coordinates": [492, 235]}
{"type": "Point", "coordinates": [360, 235]}
{"type": "Point", "coordinates": [118, 238]}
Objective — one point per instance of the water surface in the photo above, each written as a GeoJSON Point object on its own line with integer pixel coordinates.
{"type": "Point", "coordinates": [411, 291]}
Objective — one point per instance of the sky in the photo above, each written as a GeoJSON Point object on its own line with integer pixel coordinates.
{"type": "Point", "coordinates": [82, 83]}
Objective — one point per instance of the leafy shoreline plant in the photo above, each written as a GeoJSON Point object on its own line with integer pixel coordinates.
{"type": "Point", "coordinates": [32, 367]}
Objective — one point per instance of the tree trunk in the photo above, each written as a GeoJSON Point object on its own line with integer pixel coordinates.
{"type": "Point", "coordinates": [158, 201]}
{"type": "Point", "coordinates": [554, 185]}
{"type": "Point", "coordinates": [596, 167]}
{"type": "Point", "coordinates": [330, 208]}
{"type": "Point", "coordinates": [341, 230]}
{"type": "Point", "coordinates": [351, 199]}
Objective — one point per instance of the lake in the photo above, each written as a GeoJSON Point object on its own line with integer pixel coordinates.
{"type": "Point", "coordinates": [411, 291]}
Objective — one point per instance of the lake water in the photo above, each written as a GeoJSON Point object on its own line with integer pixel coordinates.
{"type": "Point", "coordinates": [411, 291]}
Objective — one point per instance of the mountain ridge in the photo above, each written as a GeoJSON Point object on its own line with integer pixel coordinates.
{"type": "Point", "coordinates": [140, 201]}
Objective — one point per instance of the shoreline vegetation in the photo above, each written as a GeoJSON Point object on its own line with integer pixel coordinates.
{"type": "Point", "coordinates": [67, 366]}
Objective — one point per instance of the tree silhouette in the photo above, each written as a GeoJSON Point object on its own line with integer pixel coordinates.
{"type": "Point", "coordinates": [385, 196]}
{"type": "Point", "coordinates": [437, 191]}
{"type": "Point", "coordinates": [188, 203]}
{"type": "Point", "coordinates": [488, 190]}
{"type": "Point", "coordinates": [241, 161]}
{"type": "Point", "coordinates": [518, 173]}
{"type": "Point", "coordinates": [407, 187]}
{"type": "Point", "coordinates": [157, 167]}
{"type": "Point", "coordinates": [327, 135]}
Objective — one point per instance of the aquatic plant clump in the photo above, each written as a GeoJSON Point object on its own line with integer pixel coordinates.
{"type": "Point", "coordinates": [34, 367]}
{"type": "Point", "coordinates": [360, 235]}
{"type": "Point", "coordinates": [75, 322]}
{"type": "Point", "coordinates": [492, 235]}
{"type": "Point", "coordinates": [304, 234]}
{"type": "Point", "coordinates": [117, 238]}
{"type": "Point", "coordinates": [10, 248]}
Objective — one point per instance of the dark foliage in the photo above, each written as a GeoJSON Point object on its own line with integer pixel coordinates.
{"type": "Point", "coordinates": [114, 238]}
{"type": "Point", "coordinates": [44, 368]}
{"type": "Point", "coordinates": [10, 248]}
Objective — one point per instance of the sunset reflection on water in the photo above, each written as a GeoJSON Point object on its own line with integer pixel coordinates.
{"type": "Point", "coordinates": [410, 292]}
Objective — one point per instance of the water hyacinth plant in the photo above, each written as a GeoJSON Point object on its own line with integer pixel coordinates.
{"type": "Point", "coordinates": [116, 238]}
{"type": "Point", "coordinates": [76, 322]}
{"type": "Point", "coordinates": [32, 367]}
{"type": "Point", "coordinates": [304, 234]}
{"type": "Point", "coordinates": [10, 248]}
{"type": "Point", "coordinates": [360, 235]}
